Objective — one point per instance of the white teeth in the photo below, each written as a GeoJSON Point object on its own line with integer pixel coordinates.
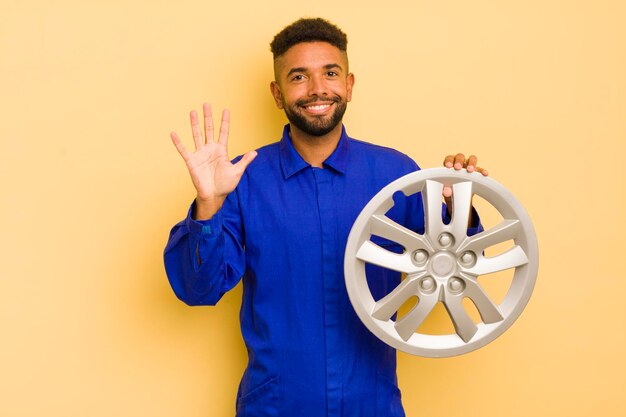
{"type": "Point", "coordinates": [320, 107]}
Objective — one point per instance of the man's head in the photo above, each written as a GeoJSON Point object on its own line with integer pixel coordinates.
{"type": "Point", "coordinates": [312, 83]}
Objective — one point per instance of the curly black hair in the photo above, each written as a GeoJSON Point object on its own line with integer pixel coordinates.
{"type": "Point", "coordinates": [308, 30]}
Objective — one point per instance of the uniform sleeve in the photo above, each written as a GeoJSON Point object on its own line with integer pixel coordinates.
{"type": "Point", "coordinates": [205, 259]}
{"type": "Point", "coordinates": [475, 226]}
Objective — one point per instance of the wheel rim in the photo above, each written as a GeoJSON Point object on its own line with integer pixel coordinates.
{"type": "Point", "coordinates": [442, 265]}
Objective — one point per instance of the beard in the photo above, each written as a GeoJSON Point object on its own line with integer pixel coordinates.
{"type": "Point", "coordinates": [315, 125]}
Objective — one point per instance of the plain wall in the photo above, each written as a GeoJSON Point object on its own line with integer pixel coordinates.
{"type": "Point", "coordinates": [90, 185]}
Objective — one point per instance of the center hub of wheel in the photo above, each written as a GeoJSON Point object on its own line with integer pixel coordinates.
{"type": "Point", "coordinates": [442, 264]}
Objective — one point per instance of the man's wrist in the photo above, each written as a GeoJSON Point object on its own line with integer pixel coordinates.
{"type": "Point", "coordinates": [205, 208]}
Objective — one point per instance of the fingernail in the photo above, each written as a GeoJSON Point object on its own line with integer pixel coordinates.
{"type": "Point", "coordinates": [458, 165]}
{"type": "Point", "coordinates": [470, 168]}
{"type": "Point", "coordinates": [448, 164]}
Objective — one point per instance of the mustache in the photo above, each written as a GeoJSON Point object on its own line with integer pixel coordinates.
{"type": "Point", "coordinates": [303, 102]}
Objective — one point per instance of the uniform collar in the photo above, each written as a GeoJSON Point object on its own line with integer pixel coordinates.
{"type": "Point", "coordinates": [292, 163]}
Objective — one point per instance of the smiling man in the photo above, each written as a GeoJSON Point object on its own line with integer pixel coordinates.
{"type": "Point", "coordinates": [312, 85]}
{"type": "Point", "coordinates": [279, 218]}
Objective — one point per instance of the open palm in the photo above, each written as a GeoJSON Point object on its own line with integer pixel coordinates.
{"type": "Point", "coordinates": [212, 173]}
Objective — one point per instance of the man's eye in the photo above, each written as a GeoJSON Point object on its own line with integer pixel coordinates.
{"type": "Point", "coordinates": [298, 77]}
{"type": "Point", "coordinates": [332, 74]}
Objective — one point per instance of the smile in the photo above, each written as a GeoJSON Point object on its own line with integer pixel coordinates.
{"type": "Point", "coordinates": [318, 108]}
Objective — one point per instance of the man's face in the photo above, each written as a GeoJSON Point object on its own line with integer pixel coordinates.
{"type": "Point", "coordinates": [313, 86]}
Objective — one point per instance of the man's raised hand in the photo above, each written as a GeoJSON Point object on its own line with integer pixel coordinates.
{"type": "Point", "coordinates": [212, 173]}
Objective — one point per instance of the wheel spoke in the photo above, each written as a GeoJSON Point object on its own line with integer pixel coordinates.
{"type": "Point", "coordinates": [505, 230]}
{"type": "Point", "coordinates": [432, 208]}
{"type": "Point", "coordinates": [383, 226]}
{"type": "Point", "coordinates": [408, 324]}
{"type": "Point", "coordinates": [463, 324]}
{"type": "Point", "coordinates": [371, 253]}
{"type": "Point", "coordinates": [488, 310]}
{"type": "Point", "coordinates": [512, 258]}
{"type": "Point", "coordinates": [391, 303]}
{"type": "Point", "coordinates": [461, 206]}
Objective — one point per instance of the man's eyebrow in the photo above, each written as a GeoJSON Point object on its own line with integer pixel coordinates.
{"type": "Point", "coordinates": [303, 69]}
{"type": "Point", "coordinates": [297, 69]}
{"type": "Point", "coordinates": [332, 66]}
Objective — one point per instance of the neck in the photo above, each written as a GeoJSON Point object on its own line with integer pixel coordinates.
{"type": "Point", "coordinates": [315, 149]}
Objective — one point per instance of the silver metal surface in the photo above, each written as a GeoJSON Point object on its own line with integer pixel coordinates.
{"type": "Point", "coordinates": [442, 265]}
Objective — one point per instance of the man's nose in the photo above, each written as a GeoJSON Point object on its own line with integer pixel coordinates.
{"type": "Point", "coordinates": [317, 86]}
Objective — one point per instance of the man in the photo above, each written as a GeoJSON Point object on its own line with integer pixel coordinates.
{"type": "Point", "coordinates": [280, 217]}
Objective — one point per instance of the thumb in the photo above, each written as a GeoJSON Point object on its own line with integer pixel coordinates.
{"type": "Point", "coordinates": [245, 161]}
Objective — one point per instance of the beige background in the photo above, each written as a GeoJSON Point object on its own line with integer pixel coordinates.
{"type": "Point", "coordinates": [90, 186]}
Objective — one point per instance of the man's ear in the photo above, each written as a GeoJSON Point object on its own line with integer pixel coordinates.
{"type": "Point", "coordinates": [349, 85]}
{"type": "Point", "coordinates": [276, 93]}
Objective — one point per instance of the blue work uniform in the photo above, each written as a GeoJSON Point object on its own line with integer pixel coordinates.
{"type": "Point", "coordinates": [284, 230]}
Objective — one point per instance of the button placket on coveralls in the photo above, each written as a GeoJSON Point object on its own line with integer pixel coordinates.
{"type": "Point", "coordinates": [332, 276]}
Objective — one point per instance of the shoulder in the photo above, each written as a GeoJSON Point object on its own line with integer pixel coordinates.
{"type": "Point", "coordinates": [267, 154]}
{"type": "Point", "coordinates": [264, 169]}
{"type": "Point", "coordinates": [370, 153]}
